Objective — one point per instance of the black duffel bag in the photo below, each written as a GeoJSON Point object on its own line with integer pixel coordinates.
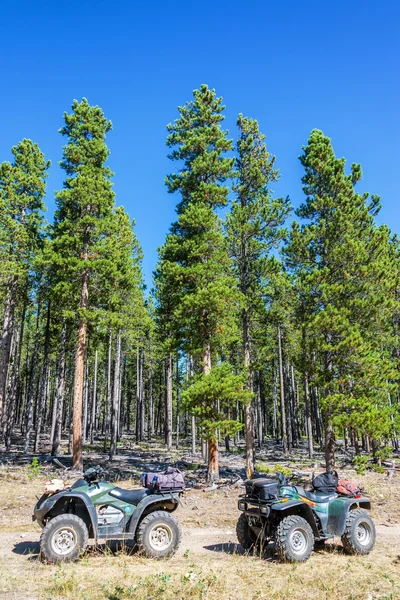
{"type": "Point", "coordinates": [326, 483]}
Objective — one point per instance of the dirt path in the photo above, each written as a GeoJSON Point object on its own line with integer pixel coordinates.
{"type": "Point", "coordinates": [16, 547]}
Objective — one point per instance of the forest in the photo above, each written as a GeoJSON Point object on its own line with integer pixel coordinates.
{"type": "Point", "coordinates": [262, 322]}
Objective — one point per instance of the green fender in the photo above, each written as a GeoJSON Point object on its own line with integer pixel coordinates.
{"type": "Point", "coordinates": [302, 509]}
{"type": "Point", "coordinates": [351, 503]}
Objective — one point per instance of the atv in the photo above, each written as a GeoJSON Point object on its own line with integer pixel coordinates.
{"type": "Point", "coordinates": [297, 520]}
{"type": "Point", "coordinates": [94, 508]}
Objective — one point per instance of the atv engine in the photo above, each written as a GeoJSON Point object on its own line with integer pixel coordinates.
{"type": "Point", "coordinates": [109, 515]}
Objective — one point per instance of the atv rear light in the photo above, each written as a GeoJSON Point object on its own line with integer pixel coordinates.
{"type": "Point", "coordinates": [242, 505]}
{"type": "Point", "coordinates": [357, 496]}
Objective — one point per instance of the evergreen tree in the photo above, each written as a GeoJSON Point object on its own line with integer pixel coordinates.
{"type": "Point", "coordinates": [22, 190]}
{"type": "Point", "coordinates": [82, 221]}
{"type": "Point", "coordinates": [195, 262]}
{"type": "Point", "coordinates": [255, 229]}
{"type": "Point", "coordinates": [345, 280]}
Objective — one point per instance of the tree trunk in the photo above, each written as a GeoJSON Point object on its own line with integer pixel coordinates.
{"type": "Point", "coordinates": [59, 400]}
{"type": "Point", "coordinates": [77, 458]}
{"type": "Point", "coordinates": [275, 402]}
{"type": "Point", "coordinates": [15, 385]}
{"type": "Point", "coordinates": [42, 396]}
{"type": "Point", "coordinates": [249, 409]}
{"type": "Point", "coordinates": [31, 387]}
{"type": "Point", "coordinates": [308, 416]}
{"type": "Point", "coordinates": [94, 403]}
{"type": "Point", "coordinates": [8, 328]}
{"type": "Point", "coordinates": [115, 400]}
{"type": "Point", "coordinates": [329, 443]}
{"type": "Point", "coordinates": [212, 447]}
{"type": "Point", "coordinates": [151, 407]}
{"type": "Point", "coordinates": [141, 394]}
{"type": "Point", "coordinates": [282, 390]}
{"type": "Point", "coordinates": [168, 404]}
{"type": "Point", "coordinates": [107, 407]}
{"type": "Point", "coordinates": [178, 402]}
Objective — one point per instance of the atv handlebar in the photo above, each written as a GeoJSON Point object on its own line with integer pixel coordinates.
{"type": "Point", "coordinates": [284, 479]}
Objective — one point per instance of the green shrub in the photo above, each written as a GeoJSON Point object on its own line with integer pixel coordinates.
{"type": "Point", "coordinates": [384, 453]}
{"type": "Point", "coordinates": [377, 469]}
{"type": "Point", "coordinates": [360, 464]}
{"type": "Point", "coordinates": [34, 469]}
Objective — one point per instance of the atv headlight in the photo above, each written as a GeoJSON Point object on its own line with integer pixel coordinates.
{"type": "Point", "coordinates": [264, 510]}
{"type": "Point", "coordinates": [242, 505]}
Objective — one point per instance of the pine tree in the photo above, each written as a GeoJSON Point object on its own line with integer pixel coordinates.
{"type": "Point", "coordinates": [345, 281]}
{"type": "Point", "coordinates": [82, 220]}
{"type": "Point", "coordinates": [194, 262]}
{"type": "Point", "coordinates": [22, 190]}
{"type": "Point", "coordinates": [255, 229]}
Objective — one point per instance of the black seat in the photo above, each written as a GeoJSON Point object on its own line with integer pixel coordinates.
{"type": "Point", "coordinates": [316, 496]}
{"type": "Point", "coordinates": [130, 496]}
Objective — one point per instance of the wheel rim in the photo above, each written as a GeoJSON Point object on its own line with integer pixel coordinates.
{"type": "Point", "coordinates": [298, 541]}
{"type": "Point", "coordinates": [160, 537]}
{"type": "Point", "coordinates": [64, 540]}
{"type": "Point", "coordinates": [363, 533]}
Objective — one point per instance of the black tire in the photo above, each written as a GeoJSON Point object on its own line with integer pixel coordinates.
{"type": "Point", "coordinates": [63, 539]}
{"type": "Point", "coordinates": [359, 534]}
{"type": "Point", "coordinates": [294, 539]}
{"type": "Point", "coordinates": [159, 535]}
{"type": "Point", "coordinates": [246, 537]}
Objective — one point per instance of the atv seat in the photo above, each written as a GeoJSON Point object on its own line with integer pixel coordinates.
{"type": "Point", "coordinates": [130, 496]}
{"type": "Point", "coordinates": [316, 496]}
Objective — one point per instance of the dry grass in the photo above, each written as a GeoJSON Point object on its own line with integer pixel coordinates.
{"type": "Point", "coordinates": [207, 566]}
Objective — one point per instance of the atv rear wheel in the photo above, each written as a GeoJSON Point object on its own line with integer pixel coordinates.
{"type": "Point", "coordinates": [246, 537]}
{"type": "Point", "coordinates": [359, 534]}
{"type": "Point", "coordinates": [63, 538]}
{"type": "Point", "coordinates": [294, 539]}
{"type": "Point", "coordinates": [159, 535]}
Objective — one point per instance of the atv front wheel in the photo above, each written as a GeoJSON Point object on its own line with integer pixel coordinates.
{"type": "Point", "coordinates": [294, 539]}
{"type": "Point", "coordinates": [246, 537]}
{"type": "Point", "coordinates": [63, 538]}
{"type": "Point", "coordinates": [159, 535]}
{"type": "Point", "coordinates": [359, 534]}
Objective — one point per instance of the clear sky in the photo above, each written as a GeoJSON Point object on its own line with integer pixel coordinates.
{"type": "Point", "coordinates": [293, 65]}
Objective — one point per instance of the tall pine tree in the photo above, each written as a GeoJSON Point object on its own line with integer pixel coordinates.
{"type": "Point", "coordinates": [255, 229]}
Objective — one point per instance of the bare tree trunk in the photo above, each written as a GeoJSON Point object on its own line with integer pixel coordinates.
{"type": "Point", "coordinates": [14, 381]}
{"type": "Point", "coordinates": [275, 430]}
{"type": "Point", "coordinates": [193, 417]}
{"type": "Point", "coordinates": [168, 404]}
{"type": "Point", "coordinates": [77, 458]}
{"type": "Point", "coordinates": [107, 407]}
{"type": "Point", "coordinates": [94, 404]}
{"type": "Point", "coordinates": [308, 416]}
{"type": "Point", "coordinates": [213, 463]}
{"type": "Point", "coordinates": [282, 390]}
{"type": "Point", "coordinates": [142, 400]}
{"type": "Point", "coordinates": [8, 328]}
{"type": "Point", "coordinates": [115, 402]}
{"type": "Point", "coordinates": [59, 400]}
{"type": "Point", "coordinates": [249, 408]}
{"type": "Point", "coordinates": [178, 401]}
{"type": "Point", "coordinates": [151, 407]}
{"type": "Point", "coordinates": [329, 443]}
{"type": "Point", "coordinates": [31, 387]}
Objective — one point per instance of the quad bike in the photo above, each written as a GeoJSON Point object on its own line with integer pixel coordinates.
{"type": "Point", "coordinates": [297, 519]}
{"type": "Point", "coordinates": [93, 508]}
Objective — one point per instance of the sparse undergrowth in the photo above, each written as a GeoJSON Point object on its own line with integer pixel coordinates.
{"type": "Point", "coordinates": [207, 566]}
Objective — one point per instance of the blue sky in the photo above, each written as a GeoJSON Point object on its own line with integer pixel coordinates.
{"type": "Point", "coordinates": [292, 65]}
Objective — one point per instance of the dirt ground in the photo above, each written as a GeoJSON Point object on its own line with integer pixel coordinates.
{"type": "Point", "coordinates": [209, 564]}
